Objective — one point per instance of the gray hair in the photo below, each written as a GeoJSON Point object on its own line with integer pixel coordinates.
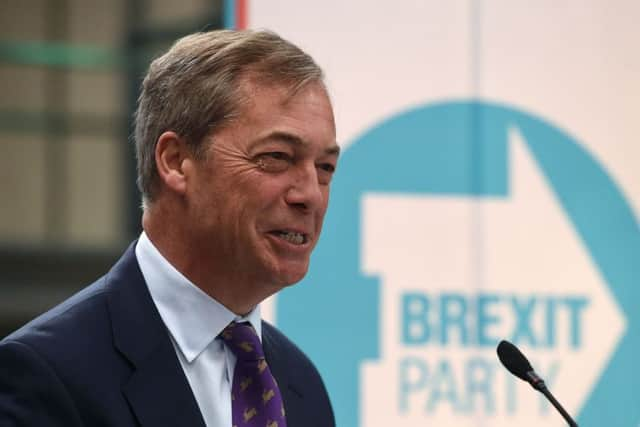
{"type": "Point", "coordinates": [195, 88]}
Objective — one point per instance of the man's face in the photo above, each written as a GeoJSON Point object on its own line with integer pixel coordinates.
{"type": "Point", "coordinates": [258, 199]}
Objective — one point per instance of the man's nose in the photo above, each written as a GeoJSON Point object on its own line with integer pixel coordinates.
{"type": "Point", "coordinates": [305, 191]}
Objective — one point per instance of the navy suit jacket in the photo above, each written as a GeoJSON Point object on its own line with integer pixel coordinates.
{"type": "Point", "coordinates": [104, 358]}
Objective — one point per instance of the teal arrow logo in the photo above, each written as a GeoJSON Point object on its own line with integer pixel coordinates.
{"type": "Point", "coordinates": [461, 150]}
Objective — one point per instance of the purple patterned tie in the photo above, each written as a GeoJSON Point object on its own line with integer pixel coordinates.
{"type": "Point", "coordinates": [255, 397]}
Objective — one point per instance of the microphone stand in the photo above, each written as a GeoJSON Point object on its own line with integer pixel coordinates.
{"type": "Point", "coordinates": [538, 384]}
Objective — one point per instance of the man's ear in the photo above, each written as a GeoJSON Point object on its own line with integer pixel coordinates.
{"type": "Point", "coordinates": [171, 153]}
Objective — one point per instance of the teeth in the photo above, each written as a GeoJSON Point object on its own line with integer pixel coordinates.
{"type": "Point", "coordinates": [292, 237]}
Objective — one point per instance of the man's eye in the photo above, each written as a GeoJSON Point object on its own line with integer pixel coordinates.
{"type": "Point", "coordinates": [325, 172]}
{"type": "Point", "coordinates": [276, 161]}
{"type": "Point", "coordinates": [327, 167]}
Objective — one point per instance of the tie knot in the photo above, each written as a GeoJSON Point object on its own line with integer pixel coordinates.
{"type": "Point", "coordinates": [243, 341]}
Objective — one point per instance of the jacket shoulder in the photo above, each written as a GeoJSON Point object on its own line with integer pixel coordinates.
{"type": "Point", "coordinates": [67, 321]}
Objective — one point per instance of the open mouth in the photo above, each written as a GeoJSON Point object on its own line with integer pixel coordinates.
{"type": "Point", "coordinates": [292, 237]}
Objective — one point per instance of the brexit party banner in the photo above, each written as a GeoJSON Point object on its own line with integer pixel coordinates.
{"type": "Point", "coordinates": [488, 189]}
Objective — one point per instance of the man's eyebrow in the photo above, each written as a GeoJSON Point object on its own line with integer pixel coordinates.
{"type": "Point", "coordinates": [295, 140]}
{"type": "Point", "coordinates": [334, 150]}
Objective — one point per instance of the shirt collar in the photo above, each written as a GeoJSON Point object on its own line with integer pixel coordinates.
{"type": "Point", "coordinates": [193, 318]}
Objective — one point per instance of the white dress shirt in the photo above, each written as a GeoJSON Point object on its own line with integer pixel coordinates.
{"type": "Point", "coordinates": [194, 320]}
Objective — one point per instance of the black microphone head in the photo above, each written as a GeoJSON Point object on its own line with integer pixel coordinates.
{"type": "Point", "coordinates": [514, 360]}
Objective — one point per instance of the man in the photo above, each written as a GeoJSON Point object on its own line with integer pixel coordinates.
{"type": "Point", "coordinates": [236, 148]}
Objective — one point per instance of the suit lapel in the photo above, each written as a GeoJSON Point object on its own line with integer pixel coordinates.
{"type": "Point", "coordinates": [159, 394]}
{"type": "Point", "coordinates": [292, 392]}
{"type": "Point", "coordinates": [158, 391]}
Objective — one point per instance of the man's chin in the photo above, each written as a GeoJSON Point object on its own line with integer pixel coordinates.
{"type": "Point", "coordinates": [293, 274]}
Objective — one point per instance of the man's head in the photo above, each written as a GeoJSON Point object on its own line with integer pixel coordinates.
{"type": "Point", "coordinates": [236, 197]}
{"type": "Point", "coordinates": [196, 88]}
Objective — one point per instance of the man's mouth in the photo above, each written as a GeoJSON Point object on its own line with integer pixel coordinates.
{"type": "Point", "coordinates": [292, 237]}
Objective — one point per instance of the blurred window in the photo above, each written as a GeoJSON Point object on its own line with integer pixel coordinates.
{"type": "Point", "coordinates": [69, 76]}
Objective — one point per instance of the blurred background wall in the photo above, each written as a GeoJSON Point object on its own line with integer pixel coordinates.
{"type": "Point", "coordinates": [69, 77]}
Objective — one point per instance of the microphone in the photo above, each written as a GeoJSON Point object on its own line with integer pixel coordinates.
{"type": "Point", "coordinates": [518, 365]}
